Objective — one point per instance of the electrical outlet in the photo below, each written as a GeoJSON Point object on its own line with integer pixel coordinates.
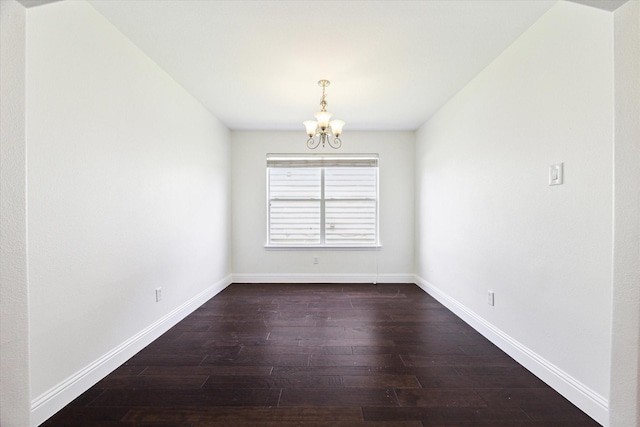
{"type": "Point", "coordinates": [158, 294]}
{"type": "Point", "coordinates": [490, 298]}
{"type": "Point", "coordinates": [315, 260]}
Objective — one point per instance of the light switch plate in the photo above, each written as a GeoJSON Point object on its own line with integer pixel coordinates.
{"type": "Point", "coordinates": [556, 173]}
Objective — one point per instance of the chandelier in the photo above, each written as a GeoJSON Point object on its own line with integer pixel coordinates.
{"type": "Point", "coordinates": [322, 127]}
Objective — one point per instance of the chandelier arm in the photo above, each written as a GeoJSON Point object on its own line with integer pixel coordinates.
{"type": "Point", "coordinates": [312, 143]}
{"type": "Point", "coordinates": [336, 143]}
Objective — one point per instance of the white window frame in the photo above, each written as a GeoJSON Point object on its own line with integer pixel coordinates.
{"type": "Point", "coordinates": [323, 162]}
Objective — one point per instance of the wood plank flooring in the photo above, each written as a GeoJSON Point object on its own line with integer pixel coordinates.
{"type": "Point", "coordinates": [321, 355]}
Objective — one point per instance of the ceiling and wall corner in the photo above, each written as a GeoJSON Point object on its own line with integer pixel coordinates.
{"type": "Point", "coordinates": [608, 5]}
{"type": "Point", "coordinates": [249, 62]}
{"type": "Point", "coordinates": [255, 65]}
{"type": "Point", "coordinates": [34, 3]}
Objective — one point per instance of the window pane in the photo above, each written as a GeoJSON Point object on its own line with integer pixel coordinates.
{"type": "Point", "coordinates": [350, 209]}
{"type": "Point", "coordinates": [294, 221]}
{"type": "Point", "coordinates": [294, 205]}
{"type": "Point", "coordinates": [350, 222]}
{"type": "Point", "coordinates": [350, 183]}
{"type": "Point", "coordinates": [294, 183]}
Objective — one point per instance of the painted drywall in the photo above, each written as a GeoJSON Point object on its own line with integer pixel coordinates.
{"type": "Point", "coordinates": [394, 261]}
{"type": "Point", "coordinates": [625, 357]}
{"type": "Point", "coordinates": [128, 180]}
{"type": "Point", "coordinates": [14, 298]}
{"type": "Point", "coordinates": [488, 220]}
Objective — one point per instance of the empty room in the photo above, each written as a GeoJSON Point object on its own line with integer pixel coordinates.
{"type": "Point", "coordinates": [322, 213]}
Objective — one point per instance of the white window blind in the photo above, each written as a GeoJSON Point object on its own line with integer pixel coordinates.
{"type": "Point", "coordinates": [322, 200]}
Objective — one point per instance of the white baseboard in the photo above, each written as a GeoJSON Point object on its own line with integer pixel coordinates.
{"type": "Point", "coordinates": [589, 401]}
{"type": "Point", "coordinates": [56, 398]}
{"type": "Point", "coordinates": [323, 278]}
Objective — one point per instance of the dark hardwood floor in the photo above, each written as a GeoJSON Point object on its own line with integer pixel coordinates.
{"type": "Point", "coordinates": [321, 355]}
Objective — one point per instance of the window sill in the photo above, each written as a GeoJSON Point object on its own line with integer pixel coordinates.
{"type": "Point", "coordinates": [321, 248]}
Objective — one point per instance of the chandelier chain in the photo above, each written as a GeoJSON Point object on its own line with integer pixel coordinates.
{"type": "Point", "coordinates": [323, 99]}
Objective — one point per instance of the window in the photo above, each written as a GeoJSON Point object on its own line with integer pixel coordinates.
{"type": "Point", "coordinates": [322, 201]}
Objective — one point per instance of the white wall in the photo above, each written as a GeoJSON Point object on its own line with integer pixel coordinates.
{"type": "Point", "coordinates": [128, 190]}
{"type": "Point", "coordinates": [487, 220]}
{"type": "Point", "coordinates": [392, 263]}
{"type": "Point", "coordinates": [625, 372]}
{"type": "Point", "coordinates": [14, 299]}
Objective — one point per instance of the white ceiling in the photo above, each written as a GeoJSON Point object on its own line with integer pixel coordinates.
{"type": "Point", "coordinates": [255, 64]}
